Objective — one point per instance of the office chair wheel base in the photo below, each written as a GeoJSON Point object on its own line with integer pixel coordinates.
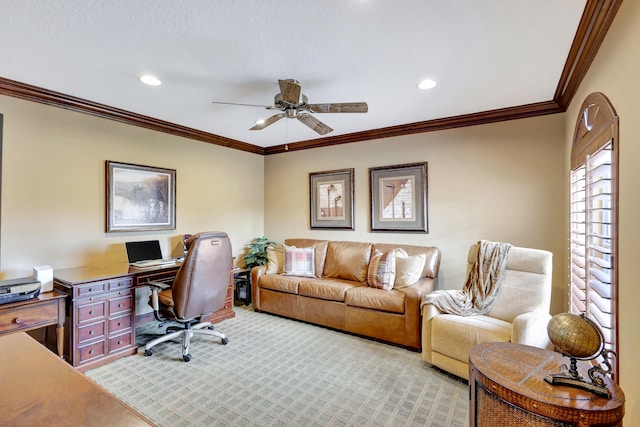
{"type": "Point", "coordinates": [186, 357]}
{"type": "Point", "coordinates": [148, 352]}
{"type": "Point", "coordinates": [224, 341]}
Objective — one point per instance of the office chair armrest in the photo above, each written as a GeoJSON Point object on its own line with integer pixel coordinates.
{"type": "Point", "coordinates": [155, 288]}
{"type": "Point", "coordinates": [158, 285]}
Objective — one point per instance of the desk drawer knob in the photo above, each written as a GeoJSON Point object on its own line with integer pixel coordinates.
{"type": "Point", "coordinates": [119, 342]}
{"type": "Point", "coordinates": [90, 312]}
{"type": "Point", "coordinates": [120, 305]}
{"type": "Point", "coordinates": [119, 323]}
{"type": "Point", "coordinates": [92, 351]}
{"type": "Point", "coordinates": [18, 320]}
{"type": "Point", "coordinates": [91, 332]}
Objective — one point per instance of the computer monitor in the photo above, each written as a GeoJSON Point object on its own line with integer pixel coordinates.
{"type": "Point", "coordinates": [143, 251]}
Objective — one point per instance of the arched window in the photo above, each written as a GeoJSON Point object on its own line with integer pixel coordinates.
{"type": "Point", "coordinates": [594, 218]}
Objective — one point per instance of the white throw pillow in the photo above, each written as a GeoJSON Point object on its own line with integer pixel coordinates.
{"type": "Point", "coordinates": [408, 268]}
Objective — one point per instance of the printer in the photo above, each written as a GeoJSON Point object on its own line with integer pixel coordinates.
{"type": "Point", "coordinates": [21, 289]}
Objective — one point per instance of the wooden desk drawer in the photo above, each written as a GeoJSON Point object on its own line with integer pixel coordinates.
{"type": "Point", "coordinates": [119, 324]}
{"type": "Point", "coordinates": [120, 342]}
{"type": "Point", "coordinates": [120, 284]}
{"type": "Point", "coordinates": [120, 305]}
{"type": "Point", "coordinates": [91, 311]}
{"type": "Point", "coordinates": [90, 289]}
{"type": "Point", "coordinates": [92, 351]}
{"type": "Point", "coordinates": [28, 316]}
{"type": "Point", "coordinates": [90, 332]}
{"type": "Point", "coordinates": [165, 276]}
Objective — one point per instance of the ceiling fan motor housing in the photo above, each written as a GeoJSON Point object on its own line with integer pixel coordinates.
{"type": "Point", "coordinates": [279, 101]}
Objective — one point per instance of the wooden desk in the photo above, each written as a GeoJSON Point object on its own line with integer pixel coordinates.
{"type": "Point", "coordinates": [39, 389]}
{"type": "Point", "coordinates": [508, 389]}
{"type": "Point", "coordinates": [45, 310]}
{"type": "Point", "coordinates": [101, 310]}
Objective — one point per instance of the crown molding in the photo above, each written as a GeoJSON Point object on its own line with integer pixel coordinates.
{"type": "Point", "coordinates": [592, 29]}
{"type": "Point", "coordinates": [492, 116]}
{"type": "Point", "coordinates": [68, 102]}
{"type": "Point", "coordinates": [594, 24]}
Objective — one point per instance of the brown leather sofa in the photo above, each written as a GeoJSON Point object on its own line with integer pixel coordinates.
{"type": "Point", "coordinates": [338, 297]}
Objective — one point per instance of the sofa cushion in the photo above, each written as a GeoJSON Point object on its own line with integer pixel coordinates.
{"type": "Point", "coordinates": [277, 282]}
{"type": "Point", "coordinates": [382, 270]}
{"type": "Point", "coordinates": [320, 250]}
{"type": "Point", "coordinates": [299, 261]}
{"type": "Point", "coordinates": [275, 260]}
{"type": "Point", "coordinates": [376, 299]}
{"type": "Point", "coordinates": [454, 335]}
{"type": "Point", "coordinates": [326, 289]}
{"type": "Point", "coordinates": [347, 260]}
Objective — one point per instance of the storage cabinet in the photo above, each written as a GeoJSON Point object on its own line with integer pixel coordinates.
{"type": "Point", "coordinates": [100, 319]}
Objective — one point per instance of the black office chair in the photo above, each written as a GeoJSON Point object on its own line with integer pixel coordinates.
{"type": "Point", "coordinates": [199, 289]}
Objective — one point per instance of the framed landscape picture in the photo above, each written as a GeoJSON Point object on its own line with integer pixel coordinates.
{"type": "Point", "coordinates": [331, 197]}
{"type": "Point", "coordinates": [398, 196]}
{"type": "Point", "coordinates": [140, 197]}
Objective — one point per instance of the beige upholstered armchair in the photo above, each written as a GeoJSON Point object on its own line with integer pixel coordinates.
{"type": "Point", "coordinates": [520, 314]}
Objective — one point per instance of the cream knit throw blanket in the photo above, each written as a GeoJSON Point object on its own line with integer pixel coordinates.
{"type": "Point", "coordinates": [482, 286]}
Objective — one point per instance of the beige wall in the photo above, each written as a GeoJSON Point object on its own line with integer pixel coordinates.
{"type": "Point", "coordinates": [53, 195]}
{"type": "Point", "coordinates": [501, 182]}
{"type": "Point", "coordinates": [615, 72]}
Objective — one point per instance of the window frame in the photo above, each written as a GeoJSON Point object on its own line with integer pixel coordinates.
{"type": "Point", "coordinates": [597, 128]}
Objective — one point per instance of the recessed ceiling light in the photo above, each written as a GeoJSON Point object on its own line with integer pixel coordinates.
{"type": "Point", "coordinates": [150, 80]}
{"type": "Point", "coordinates": [260, 121]}
{"type": "Point", "coordinates": [427, 84]}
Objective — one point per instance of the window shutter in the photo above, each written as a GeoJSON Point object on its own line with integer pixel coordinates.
{"type": "Point", "coordinates": [593, 219]}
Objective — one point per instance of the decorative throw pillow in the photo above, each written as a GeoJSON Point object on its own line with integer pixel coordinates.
{"type": "Point", "coordinates": [408, 268]}
{"type": "Point", "coordinates": [299, 261]}
{"type": "Point", "coordinates": [382, 270]}
{"type": "Point", "coordinates": [275, 258]}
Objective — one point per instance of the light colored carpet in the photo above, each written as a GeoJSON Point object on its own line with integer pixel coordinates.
{"type": "Point", "coordinates": [280, 372]}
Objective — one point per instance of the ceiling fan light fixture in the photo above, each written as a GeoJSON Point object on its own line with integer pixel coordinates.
{"type": "Point", "coordinates": [427, 84]}
{"type": "Point", "coordinates": [150, 80]}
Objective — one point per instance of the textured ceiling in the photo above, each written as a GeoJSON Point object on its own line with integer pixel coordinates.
{"type": "Point", "coordinates": [484, 54]}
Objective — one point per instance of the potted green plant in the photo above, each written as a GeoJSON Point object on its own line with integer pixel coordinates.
{"type": "Point", "coordinates": [257, 252]}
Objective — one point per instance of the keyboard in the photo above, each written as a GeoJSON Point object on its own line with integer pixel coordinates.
{"type": "Point", "coordinates": [155, 262]}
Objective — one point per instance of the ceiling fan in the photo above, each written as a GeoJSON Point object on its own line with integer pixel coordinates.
{"type": "Point", "coordinates": [293, 105]}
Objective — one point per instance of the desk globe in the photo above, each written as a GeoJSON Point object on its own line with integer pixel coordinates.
{"type": "Point", "coordinates": [579, 338]}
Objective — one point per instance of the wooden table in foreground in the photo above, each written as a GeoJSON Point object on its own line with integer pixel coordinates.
{"type": "Point", "coordinates": [39, 389]}
{"type": "Point", "coordinates": [508, 389]}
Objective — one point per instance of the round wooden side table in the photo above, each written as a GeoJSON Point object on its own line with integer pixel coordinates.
{"type": "Point", "coordinates": [508, 389]}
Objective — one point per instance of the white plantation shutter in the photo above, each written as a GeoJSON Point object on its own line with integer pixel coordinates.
{"type": "Point", "coordinates": [593, 218]}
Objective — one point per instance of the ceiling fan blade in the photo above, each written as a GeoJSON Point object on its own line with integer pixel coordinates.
{"type": "Point", "coordinates": [271, 120]}
{"type": "Point", "coordinates": [290, 90]}
{"type": "Point", "coordinates": [314, 123]}
{"type": "Point", "coordinates": [344, 107]}
{"type": "Point", "coordinates": [269, 107]}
